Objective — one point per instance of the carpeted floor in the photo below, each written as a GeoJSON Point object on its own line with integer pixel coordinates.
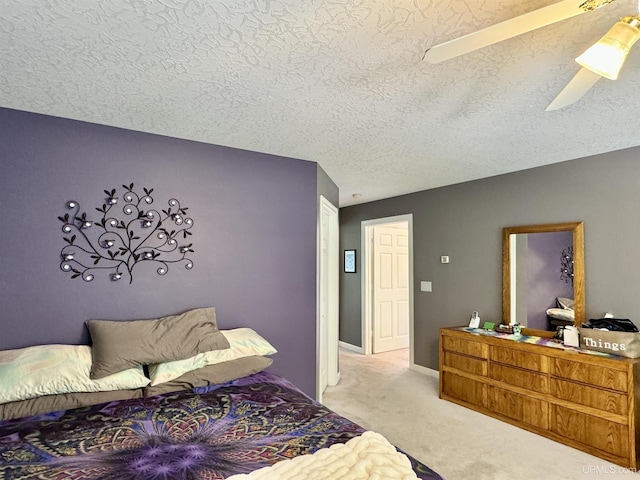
{"type": "Point", "coordinates": [380, 393]}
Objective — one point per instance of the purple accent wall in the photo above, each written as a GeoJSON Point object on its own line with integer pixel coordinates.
{"type": "Point", "coordinates": [254, 235]}
{"type": "Point", "coordinates": [543, 271]}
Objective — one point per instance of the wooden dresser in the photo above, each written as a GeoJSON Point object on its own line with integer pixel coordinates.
{"type": "Point", "coordinates": [577, 398]}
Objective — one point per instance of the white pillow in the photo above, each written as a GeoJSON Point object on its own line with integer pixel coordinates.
{"type": "Point", "coordinates": [51, 369]}
{"type": "Point", "coordinates": [561, 314]}
{"type": "Point", "coordinates": [243, 342]}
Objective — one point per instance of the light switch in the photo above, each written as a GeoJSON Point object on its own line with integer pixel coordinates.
{"type": "Point", "coordinates": [425, 286]}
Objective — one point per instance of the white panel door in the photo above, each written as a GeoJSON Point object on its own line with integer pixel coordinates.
{"type": "Point", "coordinates": [327, 293]}
{"type": "Point", "coordinates": [323, 337]}
{"type": "Point", "coordinates": [390, 288]}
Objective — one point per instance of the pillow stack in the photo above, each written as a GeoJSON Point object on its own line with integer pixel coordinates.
{"type": "Point", "coordinates": [245, 356]}
{"type": "Point", "coordinates": [180, 351]}
{"type": "Point", "coordinates": [120, 345]}
{"type": "Point", "coordinates": [564, 310]}
{"type": "Point", "coordinates": [54, 369]}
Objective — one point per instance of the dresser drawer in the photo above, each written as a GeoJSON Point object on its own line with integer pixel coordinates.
{"type": "Point", "coordinates": [590, 374]}
{"type": "Point", "coordinates": [589, 430]}
{"type": "Point", "coordinates": [465, 363]}
{"type": "Point", "coordinates": [537, 382]}
{"type": "Point", "coordinates": [605, 400]}
{"type": "Point", "coordinates": [465, 389]}
{"type": "Point", "coordinates": [466, 347]}
{"type": "Point", "coordinates": [519, 407]}
{"type": "Point", "coordinates": [518, 358]}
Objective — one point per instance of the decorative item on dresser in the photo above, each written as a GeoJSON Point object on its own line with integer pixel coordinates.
{"type": "Point", "coordinates": [582, 399]}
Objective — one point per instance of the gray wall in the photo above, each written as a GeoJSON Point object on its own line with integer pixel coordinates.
{"type": "Point", "coordinates": [465, 222]}
{"type": "Point", "coordinates": [327, 188]}
{"type": "Point", "coordinates": [254, 235]}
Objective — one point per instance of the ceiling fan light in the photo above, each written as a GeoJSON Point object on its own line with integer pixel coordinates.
{"type": "Point", "coordinates": [607, 56]}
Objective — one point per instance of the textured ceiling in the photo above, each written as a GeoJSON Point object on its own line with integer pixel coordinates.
{"type": "Point", "coordinates": [338, 82]}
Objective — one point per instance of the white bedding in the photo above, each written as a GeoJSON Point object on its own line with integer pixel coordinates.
{"type": "Point", "coordinates": [367, 457]}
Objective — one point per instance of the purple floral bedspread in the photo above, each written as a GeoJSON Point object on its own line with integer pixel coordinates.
{"type": "Point", "coordinates": [211, 433]}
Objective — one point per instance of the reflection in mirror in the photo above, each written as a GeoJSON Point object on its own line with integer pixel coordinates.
{"type": "Point", "coordinates": [536, 265]}
{"type": "Point", "coordinates": [543, 275]}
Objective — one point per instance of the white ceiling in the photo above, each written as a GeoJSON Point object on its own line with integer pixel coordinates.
{"type": "Point", "coordinates": [339, 82]}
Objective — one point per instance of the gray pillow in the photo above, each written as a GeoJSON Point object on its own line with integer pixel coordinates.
{"type": "Point", "coordinates": [62, 401]}
{"type": "Point", "coordinates": [212, 375]}
{"type": "Point", "coordinates": [566, 303]}
{"type": "Point", "coordinates": [119, 345]}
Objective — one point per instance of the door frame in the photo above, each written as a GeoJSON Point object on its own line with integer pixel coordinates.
{"type": "Point", "coordinates": [332, 274]}
{"type": "Point", "coordinates": [366, 231]}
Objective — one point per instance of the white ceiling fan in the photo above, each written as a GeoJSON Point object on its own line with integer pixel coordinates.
{"type": "Point", "coordinates": [603, 59]}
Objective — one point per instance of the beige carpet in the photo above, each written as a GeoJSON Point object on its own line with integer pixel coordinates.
{"type": "Point", "coordinates": [380, 393]}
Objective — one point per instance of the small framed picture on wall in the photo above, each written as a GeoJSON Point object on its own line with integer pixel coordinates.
{"type": "Point", "coordinates": [349, 261]}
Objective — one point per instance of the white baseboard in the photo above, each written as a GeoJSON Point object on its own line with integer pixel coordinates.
{"type": "Point", "coordinates": [348, 346]}
{"type": "Point", "coordinates": [424, 370]}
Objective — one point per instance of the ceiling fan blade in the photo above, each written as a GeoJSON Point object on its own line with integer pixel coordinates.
{"type": "Point", "coordinates": [511, 28]}
{"type": "Point", "coordinates": [575, 89]}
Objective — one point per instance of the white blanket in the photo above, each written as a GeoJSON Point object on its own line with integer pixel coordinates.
{"type": "Point", "coordinates": [367, 457]}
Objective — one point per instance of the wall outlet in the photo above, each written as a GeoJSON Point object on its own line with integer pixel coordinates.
{"type": "Point", "coordinates": [444, 259]}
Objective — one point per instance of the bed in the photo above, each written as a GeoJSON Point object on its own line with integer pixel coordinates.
{"type": "Point", "coordinates": [226, 419]}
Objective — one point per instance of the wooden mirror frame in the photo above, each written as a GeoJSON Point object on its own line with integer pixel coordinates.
{"type": "Point", "coordinates": [578, 270]}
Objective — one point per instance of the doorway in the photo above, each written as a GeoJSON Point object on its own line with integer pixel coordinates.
{"type": "Point", "coordinates": [327, 310]}
{"type": "Point", "coordinates": [387, 284]}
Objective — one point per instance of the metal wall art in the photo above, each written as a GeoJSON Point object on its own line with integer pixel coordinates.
{"type": "Point", "coordinates": [566, 265]}
{"type": "Point", "coordinates": [122, 238]}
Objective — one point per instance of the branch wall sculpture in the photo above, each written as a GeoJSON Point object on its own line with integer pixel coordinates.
{"type": "Point", "coordinates": [566, 265]}
{"type": "Point", "coordinates": [122, 238]}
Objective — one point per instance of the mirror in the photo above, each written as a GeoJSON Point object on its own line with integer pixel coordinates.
{"type": "Point", "coordinates": [541, 263]}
